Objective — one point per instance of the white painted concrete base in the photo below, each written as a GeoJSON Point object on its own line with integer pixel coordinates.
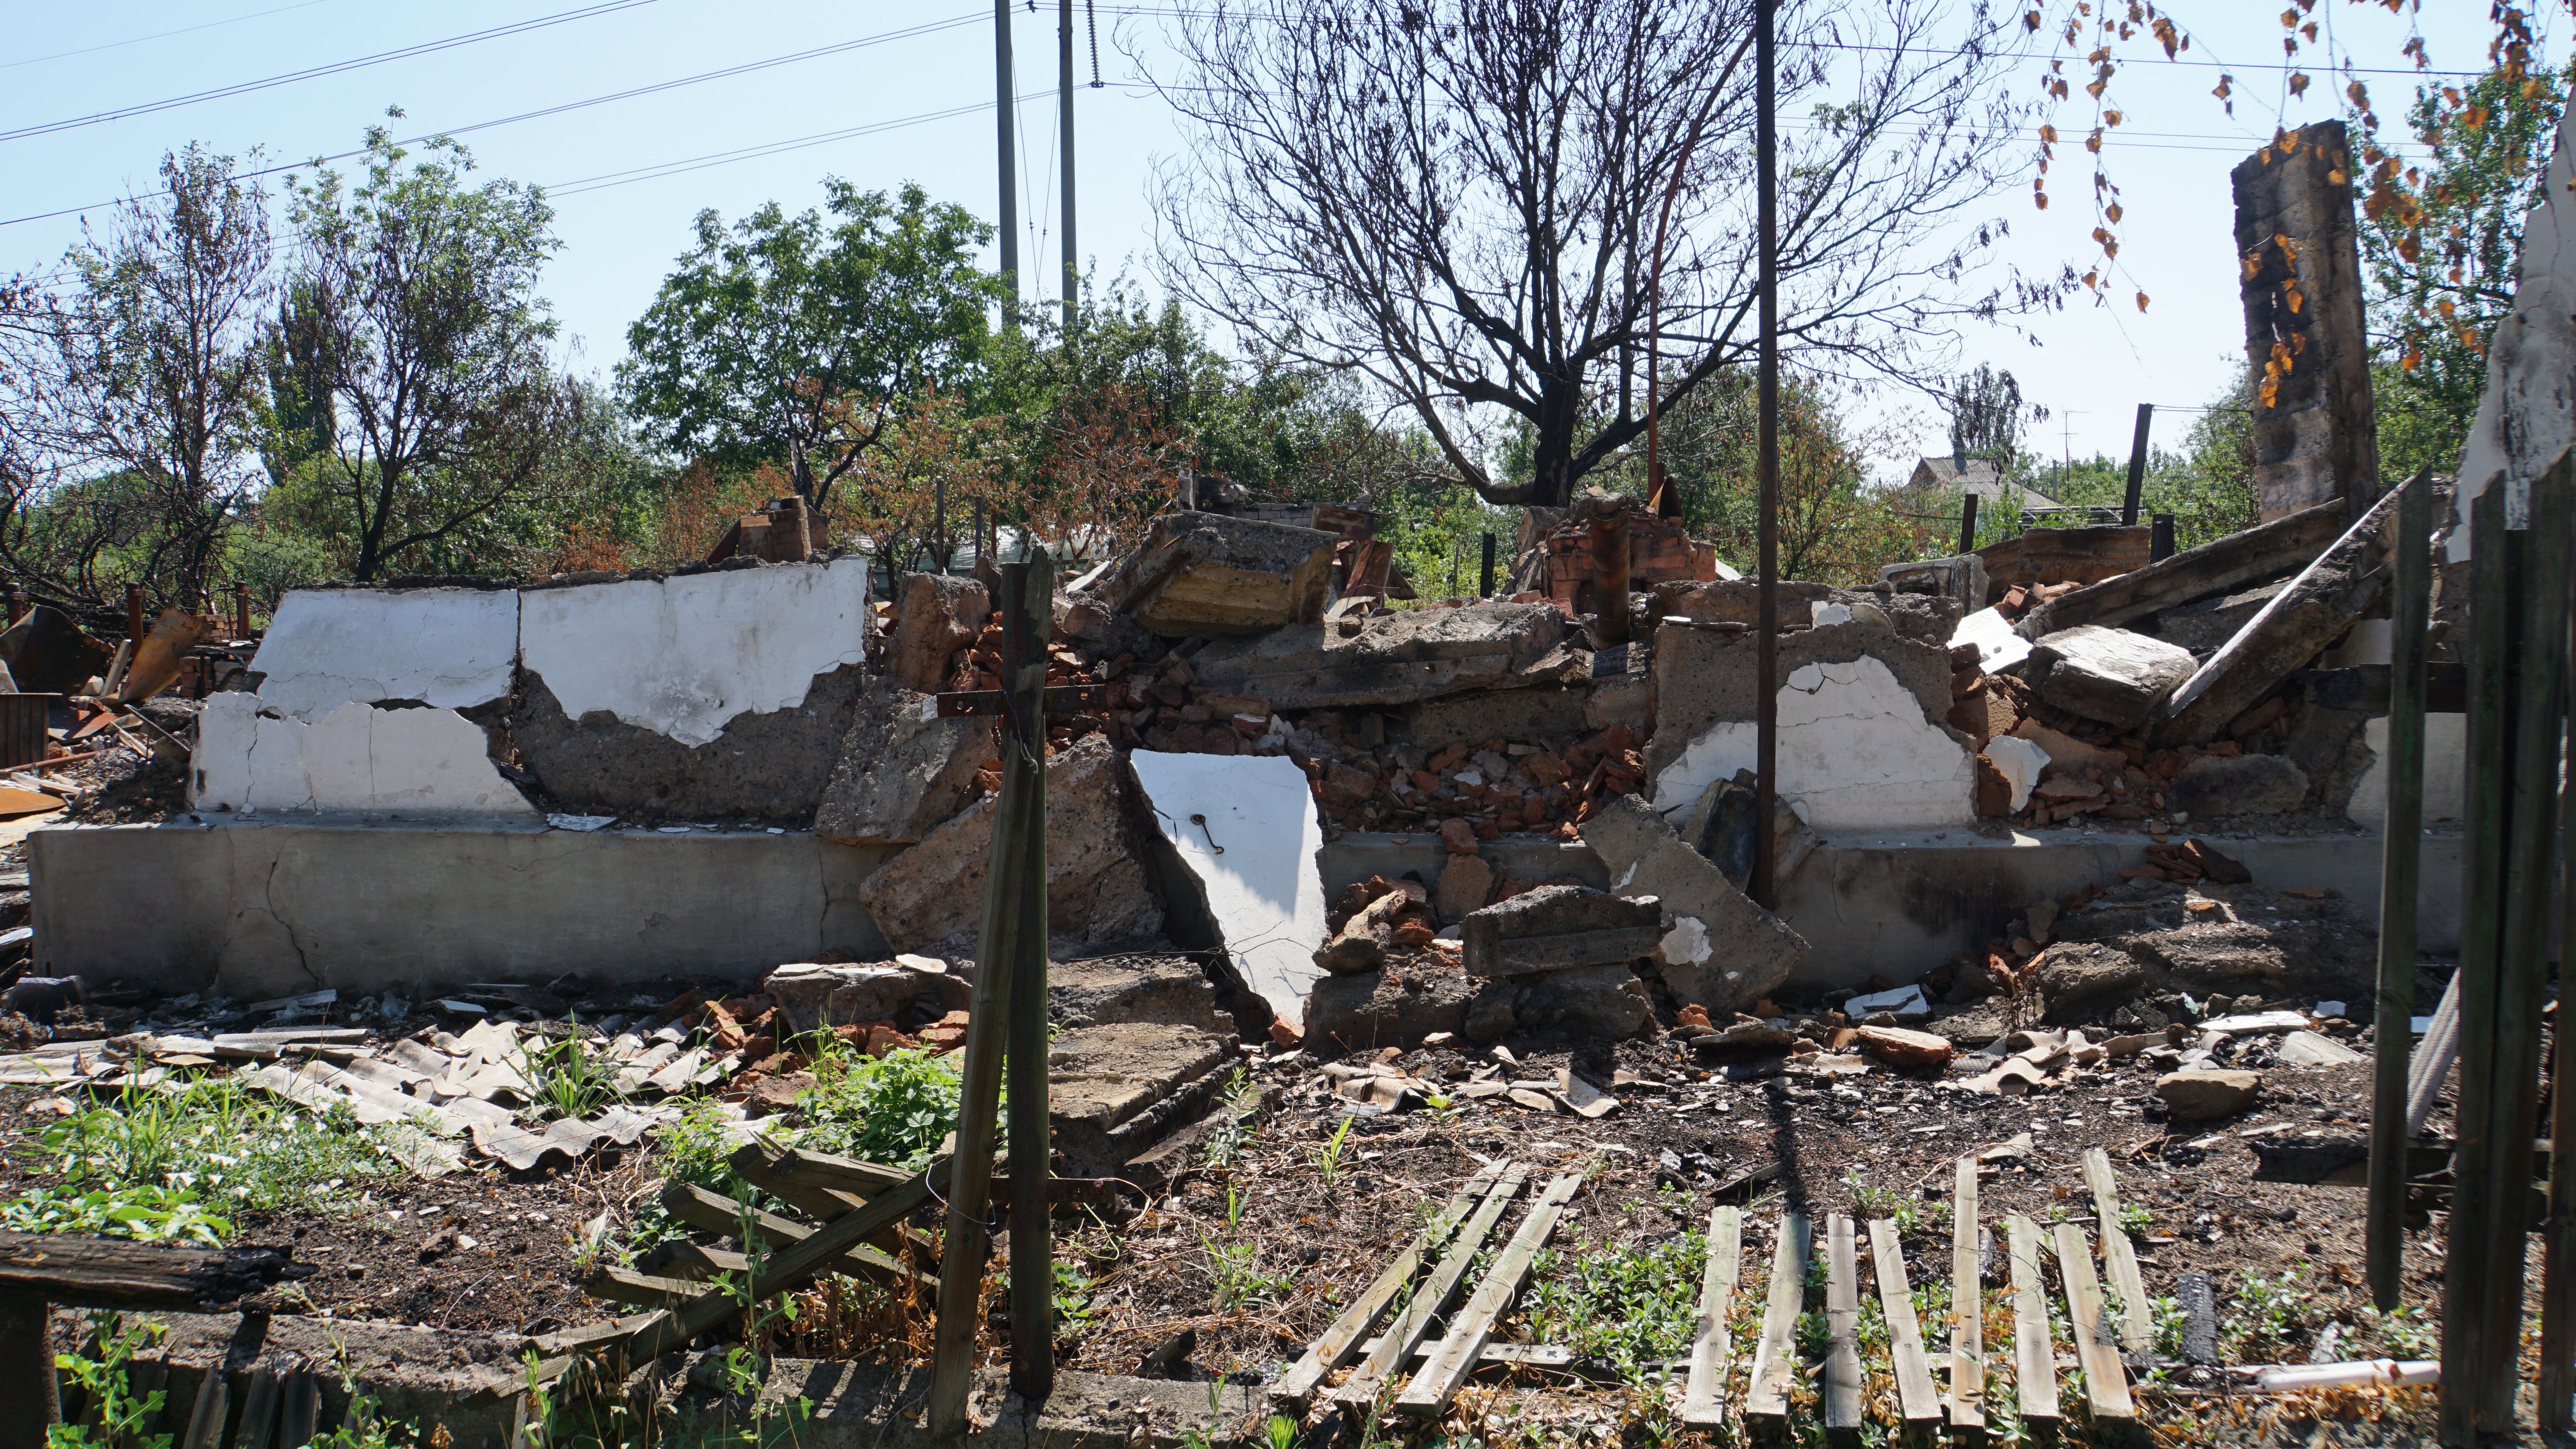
{"type": "Point", "coordinates": [1855, 754]}
{"type": "Point", "coordinates": [403, 764]}
{"type": "Point", "coordinates": [2446, 770]}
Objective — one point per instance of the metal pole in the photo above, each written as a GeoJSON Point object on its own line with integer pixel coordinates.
{"type": "Point", "coordinates": [2557, 1415]}
{"type": "Point", "coordinates": [134, 614]}
{"type": "Point", "coordinates": [1028, 593]}
{"type": "Point", "coordinates": [241, 608]}
{"type": "Point", "coordinates": [1064, 124]}
{"type": "Point", "coordinates": [1968, 524]}
{"type": "Point", "coordinates": [2160, 539]}
{"type": "Point", "coordinates": [2137, 466]}
{"type": "Point", "coordinates": [1610, 579]}
{"type": "Point", "coordinates": [2400, 876]}
{"type": "Point", "coordinates": [1010, 229]}
{"type": "Point", "coordinates": [1019, 841]}
{"type": "Point", "coordinates": [1766, 682]}
{"type": "Point", "coordinates": [1485, 575]}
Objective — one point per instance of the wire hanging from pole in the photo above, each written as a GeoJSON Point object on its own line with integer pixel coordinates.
{"type": "Point", "coordinates": [1091, 12]}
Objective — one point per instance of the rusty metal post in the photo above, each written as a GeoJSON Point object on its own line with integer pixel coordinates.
{"type": "Point", "coordinates": [1766, 675]}
{"type": "Point", "coordinates": [1485, 575]}
{"type": "Point", "coordinates": [1968, 524]}
{"type": "Point", "coordinates": [134, 614]}
{"type": "Point", "coordinates": [1610, 579]}
{"type": "Point", "coordinates": [241, 608]}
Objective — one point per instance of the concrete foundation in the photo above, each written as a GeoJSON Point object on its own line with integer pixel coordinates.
{"type": "Point", "coordinates": [267, 908]}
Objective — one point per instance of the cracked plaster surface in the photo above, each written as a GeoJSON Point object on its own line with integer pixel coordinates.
{"type": "Point", "coordinates": [407, 763]}
{"type": "Point", "coordinates": [451, 648]}
{"type": "Point", "coordinates": [1855, 754]}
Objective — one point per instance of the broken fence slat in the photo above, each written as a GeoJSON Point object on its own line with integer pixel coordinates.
{"type": "Point", "coordinates": [1918, 1400]}
{"type": "Point", "coordinates": [1842, 1328]}
{"type": "Point", "coordinates": [2119, 1256]}
{"type": "Point", "coordinates": [715, 1213]}
{"type": "Point", "coordinates": [2106, 1383]}
{"type": "Point", "coordinates": [1341, 1340]}
{"type": "Point", "coordinates": [1395, 1347]}
{"type": "Point", "coordinates": [1704, 1394]}
{"type": "Point", "coordinates": [1967, 1307]}
{"type": "Point", "coordinates": [1775, 1356]}
{"type": "Point", "coordinates": [643, 1290]}
{"type": "Point", "coordinates": [2034, 1355]}
{"type": "Point", "coordinates": [1428, 1394]}
{"type": "Point", "coordinates": [841, 1174]}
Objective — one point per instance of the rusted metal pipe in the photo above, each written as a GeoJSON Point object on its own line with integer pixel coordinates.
{"type": "Point", "coordinates": [1610, 578]}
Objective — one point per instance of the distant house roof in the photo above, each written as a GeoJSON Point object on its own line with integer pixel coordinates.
{"type": "Point", "coordinates": [1978, 476]}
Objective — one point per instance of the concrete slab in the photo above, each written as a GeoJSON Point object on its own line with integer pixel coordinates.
{"type": "Point", "coordinates": [264, 909]}
{"type": "Point", "coordinates": [1244, 827]}
{"type": "Point", "coordinates": [404, 764]}
{"type": "Point", "coordinates": [1113, 1091]}
{"type": "Point", "coordinates": [450, 648]}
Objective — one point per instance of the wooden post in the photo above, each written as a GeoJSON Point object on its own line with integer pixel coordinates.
{"type": "Point", "coordinates": [241, 609]}
{"type": "Point", "coordinates": [1028, 595]}
{"type": "Point", "coordinates": [2137, 466]}
{"type": "Point", "coordinates": [27, 1371]}
{"type": "Point", "coordinates": [1968, 523]}
{"type": "Point", "coordinates": [2557, 1416]}
{"type": "Point", "coordinates": [1610, 579]}
{"type": "Point", "coordinates": [2400, 877]}
{"type": "Point", "coordinates": [2160, 538]}
{"type": "Point", "coordinates": [134, 614]}
{"type": "Point", "coordinates": [1485, 573]}
{"type": "Point", "coordinates": [1014, 906]}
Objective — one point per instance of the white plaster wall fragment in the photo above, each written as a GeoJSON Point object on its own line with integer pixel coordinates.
{"type": "Point", "coordinates": [684, 656]}
{"type": "Point", "coordinates": [2527, 414]}
{"type": "Point", "coordinates": [1686, 943]}
{"type": "Point", "coordinates": [407, 763]}
{"type": "Point", "coordinates": [2446, 771]}
{"type": "Point", "coordinates": [453, 648]}
{"type": "Point", "coordinates": [1246, 826]}
{"type": "Point", "coordinates": [2021, 762]}
{"type": "Point", "coordinates": [1855, 754]}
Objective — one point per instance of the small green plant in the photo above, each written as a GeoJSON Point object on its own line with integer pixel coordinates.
{"type": "Point", "coordinates": [2404, 1332]}
{"type": "Point", "coordinates": [127, 1210]}
{"type": "Point", "coordinates": [893, 1109]}
{"type": "Point", "coordinates": [2136, 1221]}
{"type": "Point", "coordinates": [1445, 1109]}
{"type": "Point", "coordinates": [2170, 1321]}
{"type": "Point", "coordinates": [1872, 1201]}
{"type": "Point", "coordinates": [2264, 1314]}
{"type": "Point", "coordinates": [1236, 1271]}
{"type": "Point", "coordinates": [1333, 1159]}
{"type": "Point", "coordinates": [1234, 1114]}
{"type": "Point", "coordinates": [115, 1415]}
{"type": "Point", "coordinates": [1282, 1432]}
{"type": "Point", "coordinates": [567, 1077]}
{"type": "Point", "coordinates": [1632, 1307]}
{"type": "Point", "coordinates": [1072, 1295]}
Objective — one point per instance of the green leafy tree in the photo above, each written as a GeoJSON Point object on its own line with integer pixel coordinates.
{"type": "Point", "coordinates": [799, 339]}
{"type": "Point", "coordinates": [425, 330]}
{"type": "Point", "coordinates": [2442, 245]}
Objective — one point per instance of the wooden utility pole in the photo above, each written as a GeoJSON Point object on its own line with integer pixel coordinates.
{"type": "Point", "coordinates": [2137, 466]}
{"type": "Point", "coordinates": [1010, 210]}
{"type": "Point", "coordinates": [1009, 1015]}
{"type": "Point", "coordinates": [2400, 875]}
{"type": "Point", "coordinates": [1766, 673]}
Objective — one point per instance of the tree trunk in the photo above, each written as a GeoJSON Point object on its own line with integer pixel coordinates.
{"type": "Point", "coordinates": [1560, 407]}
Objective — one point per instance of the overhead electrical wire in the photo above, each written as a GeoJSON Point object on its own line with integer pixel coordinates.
{"type": "Point", "coordinates": [159, 35]}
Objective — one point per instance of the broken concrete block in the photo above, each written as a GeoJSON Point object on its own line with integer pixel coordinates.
{"type": "Point", "coordinates": [1097, 888]}
{"type": "Point", "coordinates": [1736, 954]}
{"type": "Point", "coordinates": [2202, 1095]}
{"type": "Point", "coordinates": [1464, 884]}
{"type": "Point", "coordinates": [2207, 573]}
{"type": "Point", "coordinates": [1859, 749]}
{"type": "Point", "coordinates": [812, 997]}
{"type": "Point", "coordinates": [1117, 990]}
{"type": "Point", "coordinates": [1207, 573]}
{"type": "Point", "coordinates": [2020, 763]}
{"type": "Point", "coordinates": [1606, 1002]}
{"type": "Point", "coordinates": [2207, 625]}
{"type": "Point", "coordinates": [446, 648]}
{"type": "Point", "coordinates": [2215, 785]}
{"type": "Point", "coordinates": [2524, 418]}
{"type": "Point", "coordinates": [2110, 674]}
{"type": "Point", "coordinates": [1244, 829]}
{"type": "Point", "coordinates": [2070, 973]}
{"type": "Point", "coordinates": [1368, 935]}
{"type": "Point", "coordinates": [772, 766]}
{"type": "Point", "coordinates": [2314, 610]}
{"type": "Point", "coordinates": [1398, 658]}
{"type": "Point", "coordinates": [1905, 1003]}
{"type": "Point", "coordinates": [1961, 577]}
{"type": "Point", "coordinates": [935, 615]}
{"type": "Point", "coordinates": [1999, 647]}
{"type": "Point", "coordinates": [1504, 714]}
{"type": "Point", "coordinates": [900, 775]}
{"type": "Point", "coordinates": [1365, 1012]}
{"type": "Point", "coordinates": [2066, 755]}
{"type": "Point", "coordinates": [1558, 928]}
{"type": "Point", "coordinates": [1113, 1091]}
{"type": "Point", "coordinates": [1902, 1048]}
{"type": "Point", "coordinates": [356, 759]}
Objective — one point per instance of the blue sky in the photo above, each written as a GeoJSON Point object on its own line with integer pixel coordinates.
{"type": "Point", "coordinates": [628, 175]}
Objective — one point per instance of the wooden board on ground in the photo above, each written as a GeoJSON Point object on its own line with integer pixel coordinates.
{"type": "Point", "coordinates": [1842, 1331]}
{"type": "Point", "coordinates": [2119, 1257]}
{"type": "Point", "coordinates": [2106, 1383]}
{"type": "Point", "coordinates": [1437, 1382]}
{"type": "Point", "coordinates": [1395, 1347]}
{"type": "Point", "coordinates": [1917, 1400]}
{"type": "Point", "coordinates": [1712, 1346]}
{"type": "Point", "coordinates": [713, 1212]}
{"type": "Point", "coordinates": [1339, 1342]}
{"type": "Point", "coordinates": [2034, 1355]}
{"type": "Point", "coordinates": [1967, 1307]}
{"type": "Point", "coordinates": [1775, 1355]}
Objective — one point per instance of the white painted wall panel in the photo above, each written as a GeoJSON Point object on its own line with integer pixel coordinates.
{"type": "Point", "coordinates": [452, 648]}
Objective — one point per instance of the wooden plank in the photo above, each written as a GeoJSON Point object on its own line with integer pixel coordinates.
{"type": "Point", "coordinates": [1437, 1382]}
{"type": "Point", "coordinates": [2120, 1257]}
{"type": "Point", "coordinates": [299, 1410]}
{"type": "Point", "coordinates": [119, 1273]}
{"type": "Point", "coordinates": [1842, 1331]}
{"type": "Point", "coordinates": [713, 1212]}
{"type": "Point", "coordinates": [2401, 868]}
{"type": "Point", "coordinates": [1775, 1354]}
{"type": "Point", "coordinates": [1360, 1390]}
{"type": "Point", "coordinates": [1340, 1341]}
{"type": "Point", "coordinates": [843, 1174]}
{"type": "Point", "coordinates": [643, 1290]}
{"type": "Point", "coordinates": [1712, 1347]}
{"type": "Point", "coordinates": [2106, 1382]}
{"type": "Point", "coordinates": [2222, 564]}
{"type": "Point", "coordinates": [1918, 1400]}
{"type": "Point", "coordinates": [259, 1406]}
{"type": "Point", "coordinates": [1967, 1307]}
{"type": "Point", "coordinates": [754, 1162]}
{"type": "Point", "coordinates": [2034, 1355]}
{"type": "Point", "coordinates": [214, 1405]}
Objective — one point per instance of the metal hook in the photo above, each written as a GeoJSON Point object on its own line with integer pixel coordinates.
{"type": "Point", "coordinates": [1201, 822]}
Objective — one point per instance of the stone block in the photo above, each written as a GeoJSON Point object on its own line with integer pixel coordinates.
{"type": "Point", "coordinates": [2221, 785]}
{"type": "Point", "coordinates": [1557, 928]}
{"type": "Point", "coordinates": [812, 997]}
{"type": "Point", "coordinates": [2206, 1096]}
{"type": "Point", "coordinates": [1113, 1091]}
{"type": "Point", "coordinates": [1381, 1009]}
{"type": "Point", "coordinates": [2112, 675]}
{"type": "Point", "coordinates": [1398, 658]}
{"type": "Point", "coordinates": [1207, 573]}
{"type": "Point", "coordinates": [935, 615]}
{"type": "Point", "coordinates": [1118, 990]}
{"type": "Point", "coordinates": [1464, 884]}
{"type": "Point", "coordinates": [1605, 1003]}
{"type": "Point", "coordinates": [1097, 888]}
{"type": "Point", "coordinates": [1723, 952]}
{"type": "Point", "coordinates": [1497, 714]}
{"type": "Point", "coordinates": [900, 775]}
{"type": "Point", "coordinates": [2203, 626]}
{"type": "Point", "coordinates": [2072, 972]}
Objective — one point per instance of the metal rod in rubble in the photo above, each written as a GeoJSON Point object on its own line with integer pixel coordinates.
{"type": "Point", "coordinates": [2400, 877]}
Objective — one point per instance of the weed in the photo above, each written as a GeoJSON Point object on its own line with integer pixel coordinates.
{"type": "Point", "coordinates": [892, 1109]}
{"type": "Point", "coordinates": [1282, 1432]}
{"type": "Point", "coordinates": [2404, 1332]}
{"type": "Point", "coordinates": [1872, 1201]}
{"type": "Point", "coordinates": [1072, 1296]}
{"type": "Point", "coordinates": [2265, 1313]}
{"type": "Point", "coordinates": [2170, 1321]}
{"type": "Point", "coordinates": [1234, 1114]}
{"type": "Point", "coordinates": [1236, 1270]}
{"type": "Point", "coordinates": [1630, 1307]}
{"type": "Point", "coordinates": [1815, 1335]}
{"type": "Point", "coordinates": [567, 1077]}
{"type": "Point", "coordinates": [115, 1416]}
{"type": "Point", "coordinates": [2136, 1221]}
{"type": "Point", "coordinates": [128, 1210]}
{"type": "Point", "coordinates": [1333, 1159]}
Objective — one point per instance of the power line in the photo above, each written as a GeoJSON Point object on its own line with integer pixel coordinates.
{"type": "Point", "coordinates": [161, 35]}
{"type": "Point", "coordinates": [609, 7]}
